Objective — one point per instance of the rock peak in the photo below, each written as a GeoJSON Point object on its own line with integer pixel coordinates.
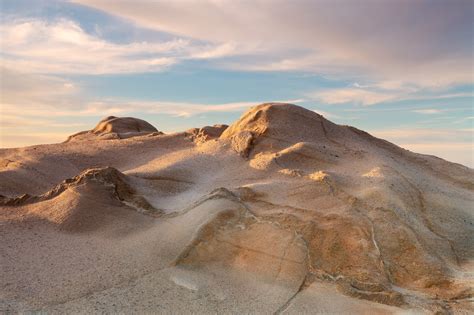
{"type": "Point", "coordinates": [123, 125]}
{"type": "Point", "coordinates": [287, 119]}
{"type": "Point", "coordinates": [113, 127]}
{"type": "Point", "coordinates": [276, 124]}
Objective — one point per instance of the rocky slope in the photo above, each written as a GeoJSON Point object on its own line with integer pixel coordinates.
{"type": "Point", "coordinates": [281, 212]}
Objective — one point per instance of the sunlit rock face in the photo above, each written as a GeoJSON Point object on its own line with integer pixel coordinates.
{"type": "Point", "coordinates": [282, 211]}
{"type": "Point", "coordinates": [116, 128]}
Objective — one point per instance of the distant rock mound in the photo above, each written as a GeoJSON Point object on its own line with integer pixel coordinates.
{"type": "Point", "coordinates": [123, 125]}
{"type": "Point", "coordinates": [117, 128]}
{"type": "Point", "coordinates": [201, 135]}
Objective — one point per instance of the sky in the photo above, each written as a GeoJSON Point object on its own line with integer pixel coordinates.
{"type": "Point", "coordinates": [401, 70]}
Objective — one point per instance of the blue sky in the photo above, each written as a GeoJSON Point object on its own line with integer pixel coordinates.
{"type": "Point", "coordinates": [400, 70]}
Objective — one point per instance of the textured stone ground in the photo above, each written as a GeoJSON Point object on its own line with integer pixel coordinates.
{"type": "Point", "coordinates": [281, 212]}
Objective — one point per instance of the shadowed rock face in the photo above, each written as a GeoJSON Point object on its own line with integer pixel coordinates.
{"type": "Point", "coordinates": [283, 199]}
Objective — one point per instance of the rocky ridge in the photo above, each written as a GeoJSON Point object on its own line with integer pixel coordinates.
{"type": "Point", "coordinates": [301, 200]}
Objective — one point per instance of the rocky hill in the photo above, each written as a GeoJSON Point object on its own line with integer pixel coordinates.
{"type": "Point", "coordinates": [281, 212]}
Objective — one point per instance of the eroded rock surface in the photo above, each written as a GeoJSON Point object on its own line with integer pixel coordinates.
{"type": "Point", "coordinates": [113, 127]}
{"type": "Point", "coordinates": [200, 135]}
{"type": "Point", "coordinates": [282, 212]}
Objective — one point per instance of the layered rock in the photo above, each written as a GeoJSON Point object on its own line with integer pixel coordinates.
{"type": "Point", "coordinates": [276, 125]}
{"type": "Point", "coordinates": [77, 201]}
{"type": "Point", "coordinates": [283, 195]}
{"type": "Point", "coordinates": [117, 128]}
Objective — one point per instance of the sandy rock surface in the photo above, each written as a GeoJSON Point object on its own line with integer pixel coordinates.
{"type": "Point", "coordinates": [281, 212]}
{"type": "Point", "coordinates": [116, 128]}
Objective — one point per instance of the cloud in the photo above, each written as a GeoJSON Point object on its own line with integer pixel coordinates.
{"type": "Point", "coordinates": [218, 51]}
{"type": "Point", "coordinates": [326, 114]}
{"type": "Point", "coordinates": [383, 92]}
{"type": "Point", "coordinates": [106, 107]}
{"type": "Point", "coordinates": [62, 46]}
{"type": "Point", "coordinates": [18, 85]}
{"type": "Point", "coordinates": [425, 135]}
{"type": "Point", "coordinates": [23, 94]}
{"type": "Point", "coordinates": [331, 38]}
{"type": "Point", "coordinates": [459, 152]}
{"type": "Point", "coordinates": [428, 111]}
{"type": "Point", "coordinates": [35, 95]}
{"type": "Point", "coordinates": [465, 119]}
{"type": "Point", "coordinates": [17, 140]}
{"type": "Point", "coordinates": [351, 95]}
{"type": "Point", "coordinates": [451, 144]}
{"type": "Point", "coordinates": [179, 109]}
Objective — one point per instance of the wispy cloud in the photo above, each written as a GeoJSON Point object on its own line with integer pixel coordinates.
{"type": "Point", "coordinates": [428, 111]}
{"type": "Point", "coordinates": [63, 46]}
{"type": "Point", "coordinates": [322, 36]}
{"type": "Point", "coordinates": [180, 109]}
{"type": "Point", "coordinates": [351, 95]}
{"type": "Point", "coordinates": [326, 114]}
{"type": "Point", "coordinates": [107, 107]}
{"type": "Point", "coordinates": [450, 144]}
{"type": "Point", "coordinates": [25, 88]}
{"type": "Point", "coordinates": [425, 135]}
{"type": "Point", "coordinates": [384, 92]}
{"type": "Point", "coordinates": [215, 51]}
{"type": "Point", "coordinates": [37, 95]}
{"type": "Point", "coordinates": [461, 152]}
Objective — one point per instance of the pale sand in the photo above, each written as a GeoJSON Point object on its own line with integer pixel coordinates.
{"type": "Point", "coordinates": [285, 212]}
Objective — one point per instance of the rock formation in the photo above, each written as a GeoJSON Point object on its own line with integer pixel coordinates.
{"type": "Point", "coordinates": [282, 212]}
{"type": "Point", "coordinates": [200, 135]}
{"type": "Point", "coordinates": [117, 128]}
